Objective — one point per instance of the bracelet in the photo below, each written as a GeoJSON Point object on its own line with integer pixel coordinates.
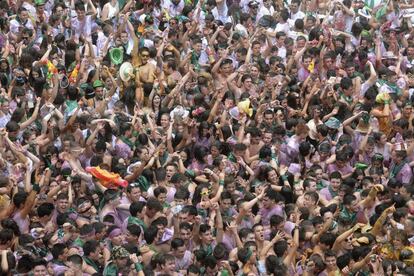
{"type": "Point", "coordinates": [138, 267]}
{"type": "Point", "coordinates": [221, 182]}
{"type": "Point", "coordinates": [386, 102]}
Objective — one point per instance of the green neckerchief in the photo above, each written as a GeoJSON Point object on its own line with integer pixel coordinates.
{"type": "Point", "coordinates": [79, 242]}
{"type": "Point", "coordinates": [396, 169]}
{"type": "Point", "coordinates": [71, 105]}
{"type": "Point", "coordinates": [91, 263]}
{"type": "Point", "coordinates": [348, 99]}
{"type": "Point", "coordinates": [143, 183]}
{"type": "Point", "coordinates": [289, 133]}
{"type": "Point", "coordinates": [208, 250]}
{"type": "Point", "coordinates": [137, 221]}
{"type": "Point", "coordinates": [127, 141]}
{"type": "Point", "coordinates": [231, 157]}
{"type": "Point", "coordinates": [356, 74]}
{"type": "Point", "coordinates": [111, 270]}
{"type": "Point", "coordinates": [347, 217]}
{"type": "Point", "coordinates": [392, 86]}
{"type": "Point", "coordinates": [320, 185]}
{"type": "Point", "coordinates": [332, 192]}
{"type": "Point", "coordinates": [194, 60]}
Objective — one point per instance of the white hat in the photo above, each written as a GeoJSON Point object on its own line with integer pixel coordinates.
{"type": "Point", "coordinates": [179, 111]}
{"type": "Point", "coordinates": [125, 71]}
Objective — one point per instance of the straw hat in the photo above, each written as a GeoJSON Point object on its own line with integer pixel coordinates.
{"type": "Point", "coordinates": [125, 71]}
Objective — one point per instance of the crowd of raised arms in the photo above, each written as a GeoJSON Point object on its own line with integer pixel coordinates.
{"type": "Point", "coordinates": [206, 137]}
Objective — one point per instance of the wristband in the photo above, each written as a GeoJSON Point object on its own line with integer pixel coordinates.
{"type": "Point", "coordinates": [221, 182]}
{"type": "Point", "coordinates": [36, 188]}
{"type": "Point", "coordinates": [386, 102]}
{"type": "Point", "coordinates": [138, 267]}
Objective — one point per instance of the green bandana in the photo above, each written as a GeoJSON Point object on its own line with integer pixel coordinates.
{"type": "Point", "coordinates": [127, 141]}
{"type": "Point", "coordinates": [143, 183]}
{"type": "Point", "coordinates": [395, 169]}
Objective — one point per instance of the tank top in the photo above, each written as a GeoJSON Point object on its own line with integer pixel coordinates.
{"type": "Point", "coordinates": [23, 223]}
{"type": "Point", "coordinates": [112, 10]}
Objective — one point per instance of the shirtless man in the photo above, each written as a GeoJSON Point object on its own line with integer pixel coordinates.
{"type": "Point", "coordinates": [255, 142]}
{"type": "Point", "coordinates": [145, 75]}
{"type": "Point", "coordinates": [222, 71]}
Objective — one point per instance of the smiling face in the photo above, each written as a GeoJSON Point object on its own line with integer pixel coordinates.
{"type": "Point", "coordinates": [62, 205]}
{"type": "Point", "coordinates": [135, 194]}
{"type": "Point", "coordinates": [81, 14]}
{"type": "Point", "coordinates": [330, 262]}
{"type": "Point", "coordinates": [145, 57]}
{"type": "Point", "coordinates": [165, 120]}
{"type": "Point", "coordinates": [272, 177]}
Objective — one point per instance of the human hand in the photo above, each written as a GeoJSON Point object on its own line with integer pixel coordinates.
{"type": "Point", "coordinates": [335, 110]}
{"type": "Point", "coordinates": [378, 187]}
{"type": "Point", "coordinates": [283, 169]}
{"type": "Point", "coordinates": [262, 194]}
{"type": "Point", "coordinates": [279, 236]}
{"type": "Point", "coordinates": [134, 258]}
{"type": "Point", "coordinates": [390, 209]}
{"type": "Point", "coordinates": [358, 226]}
{"type": "Point", "coordinates": [345, 270]}
{"type": "Point", "coordinates": [232, 226]}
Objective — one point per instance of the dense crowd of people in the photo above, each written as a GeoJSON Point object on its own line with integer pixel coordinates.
{"type": "Point", "coordinates": [206, 137]}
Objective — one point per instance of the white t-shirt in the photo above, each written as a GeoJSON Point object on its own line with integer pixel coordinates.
{"type": "Point", "coordinates": [173, 10]}
{"type": "Point", "coordinates": [15, 25]}
{"type": "Point", "coordinates": [84, 27]}
{"type": "Point", "coordinates": [294, 17]}
{"type": "Point", "coordinates": [221, 13]}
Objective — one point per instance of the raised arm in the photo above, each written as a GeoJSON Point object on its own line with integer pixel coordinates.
{"type": "Point", "coordinates": [32, 118]}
